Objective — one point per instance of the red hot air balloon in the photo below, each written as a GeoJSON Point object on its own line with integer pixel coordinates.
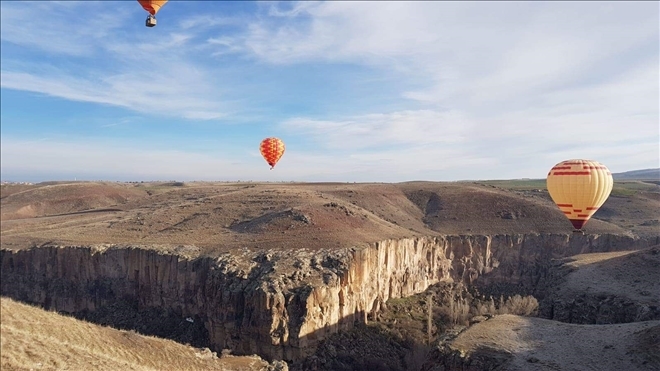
{"type": "Point", "coordinates": [272, 150]}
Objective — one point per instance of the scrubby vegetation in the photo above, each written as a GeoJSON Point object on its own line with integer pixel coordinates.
{"type": "Point", "coordinates": [452, 305]}
{"type": "Point", "coordinates": [399, 337]}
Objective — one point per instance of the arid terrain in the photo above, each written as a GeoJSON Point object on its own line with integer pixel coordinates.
{"type": "Point", "coordinates": [336, 276]}
{"type": "Point", "coordinates": [214, 217]}
{"type": "Point", "coordinates": [35, 339]}
{"type": "Point", "coordinates": [526, 343]}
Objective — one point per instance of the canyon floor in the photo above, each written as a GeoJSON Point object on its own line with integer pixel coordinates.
{"type": "Point", "coordinates": [204, 218]}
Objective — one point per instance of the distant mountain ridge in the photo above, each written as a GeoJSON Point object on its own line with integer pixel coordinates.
{"type": "Point", "coordinates": [645, 174]}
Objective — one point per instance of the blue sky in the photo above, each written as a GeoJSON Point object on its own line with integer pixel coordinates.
{"type": "Point", "coordinates": [359, 91]}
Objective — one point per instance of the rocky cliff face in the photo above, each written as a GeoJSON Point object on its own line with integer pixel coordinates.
{"type": "Point", "coordinates": [279, 304]}
{"type": "Point", "coordinates": [599, 309]}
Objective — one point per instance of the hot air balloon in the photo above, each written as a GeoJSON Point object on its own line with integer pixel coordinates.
{"type": "Point", "coordinates": [152, 6]}
{"type": "Point", "coordinates": [272, 150]}
{"type": "Point", "coordinates": [579, 188]}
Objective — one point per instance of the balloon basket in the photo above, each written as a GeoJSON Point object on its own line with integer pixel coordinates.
{"type": "Point", "coordinates": [151, 21]}
{"type": "Point", "coordinates": [578, 231]}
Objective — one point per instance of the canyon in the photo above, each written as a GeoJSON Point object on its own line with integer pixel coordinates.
{"type": "Point", "coordinates": [275, 270]}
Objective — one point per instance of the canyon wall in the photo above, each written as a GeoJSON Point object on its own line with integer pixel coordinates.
{"type": "Point", "coordinates": [279, 304]}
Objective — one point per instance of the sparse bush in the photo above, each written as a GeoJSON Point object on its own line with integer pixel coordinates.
{"type": "Point", "coordinates": [523, 306]}
{"type": "Point", "coordinates": [453, 305]}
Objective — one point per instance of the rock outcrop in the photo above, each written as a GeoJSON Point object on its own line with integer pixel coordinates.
{"type": "Point", "coordinates": [280, 304]}
{"type": "Point", "coordinates": [600, 309]}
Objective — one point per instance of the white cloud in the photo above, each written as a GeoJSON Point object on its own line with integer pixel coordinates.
{"type": "Point", "coordinates": [61, 27]}
{"type": "Point", "coordinates": [206, 21]}
{"type": "Point", "coordinates": [182, 95]}
{"type": "Point", "coordinates": [469, 53]}
{"type": "Point", "coordinates": [296, 8]}
{"type": "Point", "coordinates": [386, 130]}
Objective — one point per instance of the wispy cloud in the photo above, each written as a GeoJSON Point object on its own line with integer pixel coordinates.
{"type": "Point", "coordinates": [386, 130]}
{"type": "Point", "coordinates": [58, 22]}
{"type": "Point", "coordinates": [149, 75]}
{"type": "Point", "coordinates": [142, 92]}
{"type": "Point", "coordinates": [296, 8]}
{"type": "Point", "coordinates": [206, 21]}
{"type": "Point", "coordinates": [483, 50]}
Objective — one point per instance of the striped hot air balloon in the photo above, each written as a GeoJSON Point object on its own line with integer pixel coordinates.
{"type": "Point", "coordinates": [272, 150]}
{"type": "Point", "coordinates": [579, 188]}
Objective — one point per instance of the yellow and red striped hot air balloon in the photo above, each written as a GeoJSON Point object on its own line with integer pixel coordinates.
{"type": "Point", "coordinates": [272, 150]}
{"type": "Point", "coordinates": [579, 188]}
{"type": "Point", "coordinates": [152, 7]}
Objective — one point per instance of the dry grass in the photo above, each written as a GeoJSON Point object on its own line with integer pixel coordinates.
{"type": "Point", "coordinates": [34, 339]}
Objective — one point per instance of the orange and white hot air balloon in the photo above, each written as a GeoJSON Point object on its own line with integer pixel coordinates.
{"type": "Point", "coordinates": [579, 188]}
{"type": "Point", "coordinates": [272, 150]}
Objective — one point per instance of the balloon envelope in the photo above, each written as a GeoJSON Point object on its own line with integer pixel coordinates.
{"type": "Point", "coordinates": [579, 188]}
{"type": "Point", "coordinates": [272, 150]}
{"type": "Point", "coordinates": [152, 6]}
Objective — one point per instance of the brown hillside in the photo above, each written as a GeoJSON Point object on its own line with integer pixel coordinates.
{"type": "Point", "coordinates": [58, 199]}
{"type": "Point", "coordinates": [220, 216]}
